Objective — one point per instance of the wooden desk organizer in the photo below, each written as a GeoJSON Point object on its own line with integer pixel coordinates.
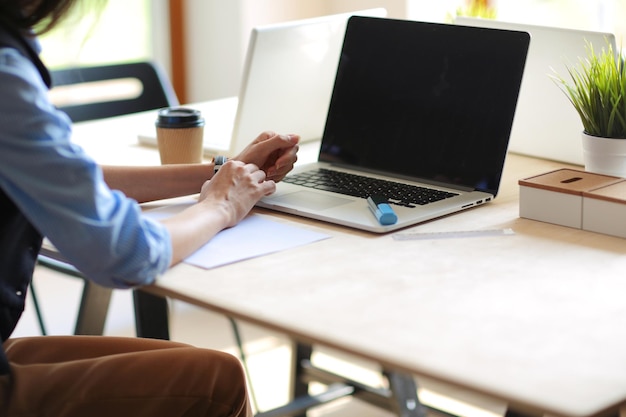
{"type": "Point", "coordinates": [577, 199]}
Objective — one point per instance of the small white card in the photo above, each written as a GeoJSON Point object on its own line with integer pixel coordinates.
{"type": "Point", "coordinates": [254, 236]}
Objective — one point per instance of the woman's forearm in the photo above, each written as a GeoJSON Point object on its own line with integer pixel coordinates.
{"type": "Point", "coordinates": [149, 183]}
{"type": "Point", "coordinates": [192, 228]}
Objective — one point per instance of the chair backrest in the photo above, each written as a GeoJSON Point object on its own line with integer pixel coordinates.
{"type": "Point", "coordinates": [97, 92]}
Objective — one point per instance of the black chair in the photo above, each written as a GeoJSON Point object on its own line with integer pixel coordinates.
{"type": "Point", "coordinates": [90, 93]}
{"type": "Point", "coordinates": [98, 92]}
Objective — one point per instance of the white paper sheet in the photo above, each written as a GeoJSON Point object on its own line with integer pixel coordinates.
{"type": "Point", "coordinates": [253, 236]}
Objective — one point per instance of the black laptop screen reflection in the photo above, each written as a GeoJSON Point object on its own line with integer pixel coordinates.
{"type": "Point", "coordinates": [421, 102]}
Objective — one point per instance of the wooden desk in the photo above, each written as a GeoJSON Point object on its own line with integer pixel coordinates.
{"type": "Point", "coordinates": [535, 319]}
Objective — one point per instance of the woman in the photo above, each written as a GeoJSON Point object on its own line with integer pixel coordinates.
{"type": "Point", "coordinates": [49, 187]}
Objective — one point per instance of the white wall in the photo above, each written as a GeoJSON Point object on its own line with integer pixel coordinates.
{"type": "Point", "coordinates": [160, 35]}
{"type": "Point", "coordinates": [213, 38]}
{"type": "Point", "coordinates": [218, 30]}
{"type": "Point", "coordinates": [218, 33]}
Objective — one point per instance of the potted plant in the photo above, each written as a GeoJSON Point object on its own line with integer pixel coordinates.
{"type": "Point", "coordinates": [474, 8]}
{"type": "Point", "coordinates": [597, 90]}
{"type": "Point", "coordinates": [478, 8]}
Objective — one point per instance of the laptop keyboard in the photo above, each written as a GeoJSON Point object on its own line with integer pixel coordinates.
{"type": "Point", "coordinates": [361, 186]}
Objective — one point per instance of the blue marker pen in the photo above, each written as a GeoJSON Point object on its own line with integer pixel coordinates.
{"type": "Point", "coordinates": [381, 209]}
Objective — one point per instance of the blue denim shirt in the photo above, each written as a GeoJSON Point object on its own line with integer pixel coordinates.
{"type": "Point", "coordinates": [61, 191]}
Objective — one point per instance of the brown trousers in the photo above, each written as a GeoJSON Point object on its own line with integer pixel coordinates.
{"type": "Point", "coordinates": [78, 376]}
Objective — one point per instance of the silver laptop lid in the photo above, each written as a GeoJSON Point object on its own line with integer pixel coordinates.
{"type": "Point", "coordinates": [288, 76]}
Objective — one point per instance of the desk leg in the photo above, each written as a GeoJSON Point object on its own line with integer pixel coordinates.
{"type": "Point", "coordinates": [405, 402]}
{"type": "Point", "coordinates": [514, 413]}
{"type": "Point", "coordinates": [299, 386]}
{"type": "Point", "coordinates": [401, 397]}
{"type": "Point", "coordinates": [151, 318]}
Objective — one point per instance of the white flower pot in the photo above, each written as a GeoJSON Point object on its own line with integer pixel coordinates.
{"type": "Point", "coordinates": [604, 155]}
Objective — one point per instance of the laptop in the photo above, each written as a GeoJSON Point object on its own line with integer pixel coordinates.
{"type": "Point", "coordinates": [546, 124]}
{"type": "Point", "coordinates": [421, 104]}
{"type": "Point", "coordinates": [286, 84]}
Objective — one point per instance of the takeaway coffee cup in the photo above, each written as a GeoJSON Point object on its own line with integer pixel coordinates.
{"type": "Point", "coordinates": [179, 135]}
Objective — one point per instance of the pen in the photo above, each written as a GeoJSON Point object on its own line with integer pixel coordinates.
{"type": "Point", "coordinates": [379, 206]}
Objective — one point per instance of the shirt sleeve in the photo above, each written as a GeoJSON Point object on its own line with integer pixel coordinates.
{"type": "Point", "coordinates": [62, 192]}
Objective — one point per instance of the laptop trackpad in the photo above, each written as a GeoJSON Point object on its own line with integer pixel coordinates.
{"type": "Point", "coordinates": [310, 200]}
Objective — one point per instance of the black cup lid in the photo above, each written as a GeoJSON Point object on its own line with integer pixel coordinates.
{"type": "Point", "coordinates": [179, 117]}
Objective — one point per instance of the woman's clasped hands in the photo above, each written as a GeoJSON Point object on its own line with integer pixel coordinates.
{"type": "Point", "coordinates": [251, 175]}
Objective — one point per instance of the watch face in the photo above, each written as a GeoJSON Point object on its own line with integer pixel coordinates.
{"type": "Point", "coordinates": [219, 161]}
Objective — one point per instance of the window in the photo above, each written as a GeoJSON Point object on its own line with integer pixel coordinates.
{"type": "Point", "coordinates": [600, 15]}
{"type": "Point", "coordinates": [121, 33]}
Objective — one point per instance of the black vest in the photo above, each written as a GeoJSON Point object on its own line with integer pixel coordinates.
{"type": "Point", "coordinates": [19, 240]}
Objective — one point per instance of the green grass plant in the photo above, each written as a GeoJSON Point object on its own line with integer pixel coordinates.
{"type": "Point", "coordinates": [597, 90]}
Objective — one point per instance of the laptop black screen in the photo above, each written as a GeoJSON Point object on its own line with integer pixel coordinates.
{"type": "Point", "coordinates": [425, 100]}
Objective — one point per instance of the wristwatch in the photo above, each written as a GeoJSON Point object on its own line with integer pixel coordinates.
{"type": "Point", "coordinates": [218, 161]}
